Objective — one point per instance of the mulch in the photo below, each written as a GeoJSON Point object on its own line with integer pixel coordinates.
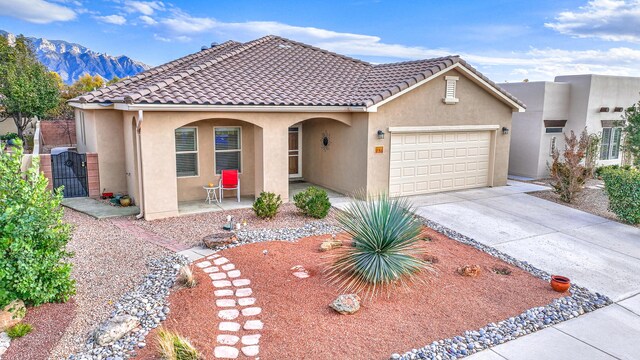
{"type": "Point", "coordinates": [49, 322]}
{"type": "Point", "coordinates": [299, 324]}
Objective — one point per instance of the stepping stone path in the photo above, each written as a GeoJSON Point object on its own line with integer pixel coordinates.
{"type": "Point", "coordinates": [238, 316]}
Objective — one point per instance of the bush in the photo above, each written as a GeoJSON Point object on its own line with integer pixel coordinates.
{"type": "Point", "coordinates": [172, 346]}
{"type": "Point", "coordinates": [601, 169]}
{"type": "Point", "coordinates": [313, 202]}
{"type": "Point", "coordinates": [9, 136]}
{"type": "Point", "coordinates": [384, 250]}
{"type": "Point", "coordinates": [568, 174]}
{"type": "Point", "coordinates": [623, 188]}
{"type": "Point", "coordinates": [32, 236]}
{"type": "Point", "coordinates": [186, 277]}
{"type": "Point", "coordinates": [19, 330]}
{"type": "Point", "coordinates": [266, 205]}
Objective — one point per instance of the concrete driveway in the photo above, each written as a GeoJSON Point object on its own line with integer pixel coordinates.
{"type": "Point", "coordinates": [594, 252]}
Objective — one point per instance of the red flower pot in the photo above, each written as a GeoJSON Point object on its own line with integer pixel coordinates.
{"type": "Point", "coordinates": [560, 283]}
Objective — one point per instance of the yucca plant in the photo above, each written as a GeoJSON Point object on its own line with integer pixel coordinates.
{"type": "Point", "coordinates": [175, 347]}
{"type": "Point", "coordinates": [383, 252]}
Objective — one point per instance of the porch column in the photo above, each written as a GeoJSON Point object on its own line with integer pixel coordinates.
{"type": "Point", "coordinates": [272, 171]}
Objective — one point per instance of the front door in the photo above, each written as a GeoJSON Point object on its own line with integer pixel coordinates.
{"type": "Point", "coordinates": [295, 155]}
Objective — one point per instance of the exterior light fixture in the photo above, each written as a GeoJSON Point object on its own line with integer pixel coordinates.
{"type": "Point", "coordinates": [380, 134]}
{"type": "Point", "coordinates": [604, 109]}
{"type": "Point", "coordinates": [505, 130]}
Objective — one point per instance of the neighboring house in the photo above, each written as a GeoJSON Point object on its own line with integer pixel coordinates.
{"type": "Point", "coordinates": [594, 102]}
{"type": "Point", "coordinates": [277, 109]}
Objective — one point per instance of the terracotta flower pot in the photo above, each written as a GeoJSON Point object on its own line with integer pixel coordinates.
{"type": "Point", "coordinates": [560, 283]}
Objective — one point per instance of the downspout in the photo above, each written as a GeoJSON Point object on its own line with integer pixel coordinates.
{"type": "Point", "coordinates": [139, 164]}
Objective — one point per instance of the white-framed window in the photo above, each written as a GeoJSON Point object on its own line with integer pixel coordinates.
{"type": "Point", "coordinates": [186, 151]}
{"type": "Point", "coordinates": [610, 148]}
{"type": "Point", "coordinates": [227, 148]}
{"type": "Point", "coordinates": [450, 90]}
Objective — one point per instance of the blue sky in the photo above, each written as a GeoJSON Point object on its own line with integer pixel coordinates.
{"type": "Point", "coordinates": [506, 40]}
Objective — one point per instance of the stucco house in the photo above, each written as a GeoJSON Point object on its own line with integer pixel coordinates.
{"type": "Point", "coordinates": [575, 102]}
{"type": "Point", "coordinates": [277, 109]}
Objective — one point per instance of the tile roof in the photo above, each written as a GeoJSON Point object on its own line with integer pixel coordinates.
{"type": "Point", "coordinates": [272, 71]}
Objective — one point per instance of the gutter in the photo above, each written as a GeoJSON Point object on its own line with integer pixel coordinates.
{"type": "Point", "coordinates": [236, 108]}
{"type": "Point", "coordinates": [139, 164]}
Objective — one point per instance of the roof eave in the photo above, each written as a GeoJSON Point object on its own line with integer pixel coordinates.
{"type": "Point", "coordinates": [236, 108]}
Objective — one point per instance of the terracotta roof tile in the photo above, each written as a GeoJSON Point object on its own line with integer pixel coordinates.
{"type": "Point", "coordinates": [272, 71]}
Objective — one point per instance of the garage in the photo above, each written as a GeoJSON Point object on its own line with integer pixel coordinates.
{"type": "Point", "coordinates": [435, 161]}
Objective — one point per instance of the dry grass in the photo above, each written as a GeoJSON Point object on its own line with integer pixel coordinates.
{"type": "Point", "coordinates": [186, 277]}
{"type": "Point", "coordinates": [172, 346]}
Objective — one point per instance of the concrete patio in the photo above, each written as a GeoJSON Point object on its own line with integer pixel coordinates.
{"type": "Point", "coordinates": [99, 209]}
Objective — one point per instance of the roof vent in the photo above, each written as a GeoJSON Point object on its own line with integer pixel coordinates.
{"type": "Point", "coordinates": [604, 109]}
{"type": "Point", "coordinates": [618, 109]}
{"type": "Point", "coordinates": [204, 47]}
{"type": "Point", "coordinates": [214, 44]}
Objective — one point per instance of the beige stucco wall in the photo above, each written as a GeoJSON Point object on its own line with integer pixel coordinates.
{"type": "Point", "coordinates": [423, 106]}
{"type": "Point", "coordinates": [342, 166]}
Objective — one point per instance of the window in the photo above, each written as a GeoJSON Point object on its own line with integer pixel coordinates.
{"type": "Point", "coordinates": [610, 148]}
{"type": "Point", "coordinates": [228, 149]}
{"type": "Point", "coordinates": [553, 130]}
{"type": "Point", "coordinates": [186, 152]}
{"type": "Point", "coordinates": [450, 90]}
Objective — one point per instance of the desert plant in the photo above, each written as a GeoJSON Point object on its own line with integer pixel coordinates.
{"type": "Point", "coordinates": [172, 346]}
{"type": "Point", "coordinates": [632, 132]}
{"type": "Point", "coordinates": [313, 202]}
{"type": "Point", "coordinates": [266, 205]}
{"type": "Point", "coordinates": [384, 251]}
{"type": "Point", "coordinates": [623, 187]}
{"type": "Point", "coordinates": [592, 153]}
{"type": "Point", "coordinates": [568, 174]}
{"type": "Point", "coordinates": [33, 237]}
{"type": "Point", "coordinates": [186, 277]}
{"type": "Point", "coordinates": [19, 330]}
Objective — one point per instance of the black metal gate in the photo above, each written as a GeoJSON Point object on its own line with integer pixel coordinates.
{"type": "Point", "coordinates": [69, 169]}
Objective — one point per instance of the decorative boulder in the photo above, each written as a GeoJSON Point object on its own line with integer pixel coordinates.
{"type": "Point", "coordinates": [214, 241]}
{"type": "Point", "coordinates": [115, 328]}
{"type": "Point", "coordinates": [469, 270]}
{"type": "Point", "coordinates": [347, 304]}
{"type": "Point", "coordinates": [330, 244]}
{"type": "Point", "coordinates": [12, 314]}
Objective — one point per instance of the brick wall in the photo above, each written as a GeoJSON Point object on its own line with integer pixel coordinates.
{"type": "Point", "coordinates": [93, 175]}
{"type": "Point", "coordinates": [54, 132]}
{"type": "Point", "coordinates": [45, 168]}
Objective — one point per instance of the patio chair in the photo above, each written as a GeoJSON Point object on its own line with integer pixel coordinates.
{"type": "Point", "coordinates": [229, 181]}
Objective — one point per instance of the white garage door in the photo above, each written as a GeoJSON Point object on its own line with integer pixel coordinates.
{"type": "Point", "coordinates": [441, 161]}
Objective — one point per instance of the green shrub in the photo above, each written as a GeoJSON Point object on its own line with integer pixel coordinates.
{"type": "Point", "coordinates": [172, 346]}
{"type": "Point", "coordinates": [9, 136]}
{"type": "Point", "coordinates": [19, 330]}
{"type": "Point", "coordinates": [313, 202]}
{"type": "Point", "coordinates": [383, 252]}
{"type": "Point", "coordinates": [33, 236]}
{"type": "Point", "coordinates": [266, 205]}
{"type": "Point", "coordinates": [623, 188]}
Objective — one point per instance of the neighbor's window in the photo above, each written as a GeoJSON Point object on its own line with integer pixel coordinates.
{"type": "Point", "coordinates": [553, 130]}
{"type": "Point", "coordinates": [610, 148]}
{"type": "Point", "coordinates": [187, 152]}
{"type": "Point", "coordinates": [228, 148]}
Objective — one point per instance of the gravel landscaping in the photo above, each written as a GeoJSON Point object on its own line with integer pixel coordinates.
{"type": "Point", "coordinates": [107, 263]}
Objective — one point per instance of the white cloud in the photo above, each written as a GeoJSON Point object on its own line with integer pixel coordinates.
{"type": "Point", "coordinates": [148, 20]}
{"type": "Point", "coordinates": [181, 38]}
{"type": "Point", "coordinates": [612, 20]}
{"type": "Point", "coordinates": [36, 11]}
{"type": "Point", "coordinates": [144, 7]}
{"type": "Point", "coordinates": [112, 19]}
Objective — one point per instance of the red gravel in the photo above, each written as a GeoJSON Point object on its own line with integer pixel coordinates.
{"type": "Point", "coordinates": [299, 323]}
{"type": "Point", "coordinates": [49, 322]}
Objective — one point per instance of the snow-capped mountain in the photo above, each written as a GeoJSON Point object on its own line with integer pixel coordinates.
{"type": "Point", "coordinates": [73, 60]}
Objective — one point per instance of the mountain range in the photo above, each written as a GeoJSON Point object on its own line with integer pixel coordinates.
{"type": "Point", "coordinates": [72, 60]}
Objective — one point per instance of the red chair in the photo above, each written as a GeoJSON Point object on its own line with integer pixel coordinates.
{"type": "Point", "coordinates": [229, 181]}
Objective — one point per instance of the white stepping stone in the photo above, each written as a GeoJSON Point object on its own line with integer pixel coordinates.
{"type": "Point", "coordinates": [234, 273]}
{"type": "Point", "coordinates": [253, 325]}
{"type": "Point", "coordinates": [225, 352]}
{"type": "Point", "coordinates": [221, 283]}
{"type": "Point", "coordinates": [301, 274]}
{"type": "Point", "coordinates": [228, 314]}
{"type": "Point", "coordinates": [228, 339]}
{"type": "Point", "coordinates": [244, 292]}
{"type": "Point", "coordinates": [227, 267]}
{"type": "Point", "coordinates": [211, 269]}
{"type": "Point", "coordinates": [247, 301]}
{"type": "Point", "coordinates": [221, 261]}
{"type": "Point", "coordinates": [225, 302]}
{"type": "Point", "coordinates": [213, 256]}
{"type": "Point", "coordinates": [229, 326]}
{"type": "Point", "coordinates": [218, 276]}
{"type": "Point", "coordinates": [251, 339]}
{"type": "Point", "coordinates": [203, 264]}
{"type": "Point", "coordinates": [241, 282]}
{"type": "Point", "coordinates": [252, 311]}
{"type": "Point", "coordinates": [224, 292]}
{"type": "Point", "coordinates": [252, 350]}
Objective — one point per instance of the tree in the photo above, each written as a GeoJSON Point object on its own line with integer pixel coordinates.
{"type": "Point", "coordinates": [632, 132]}
{"type": "Point", "coordinates": [33, 237]}
{"type": "Point", "coordinates": [568, 174]}
{"type": "Point", "coordinates": [27, 89]}
{"type": "Point", "coordinates": [113, 81]}
{"type": "Point", "coordinates": [85, 84]}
